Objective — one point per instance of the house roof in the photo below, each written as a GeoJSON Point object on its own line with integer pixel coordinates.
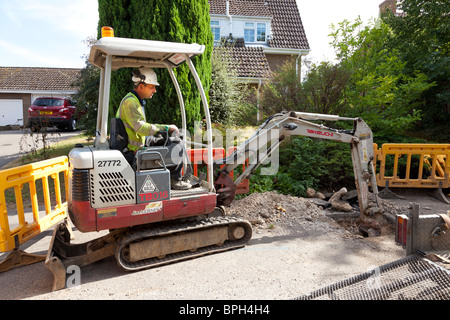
{"type": "Point", "coordinates": [38, 79]}
{"type": "Point", "coordinates": [249, 61]}
{"type": "Point", "coordinates": [249, 8]}
{"type": "Point", "coordinates": [287, 26]}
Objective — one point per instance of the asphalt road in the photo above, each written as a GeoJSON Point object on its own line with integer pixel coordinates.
{"type": "Point", "coordinates": [276, 264]}
{"type": "Point", "coordinates": [16, 143]}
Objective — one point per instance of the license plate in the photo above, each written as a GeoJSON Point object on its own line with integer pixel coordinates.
{"type": "Point", "coordinates": [45, 112]}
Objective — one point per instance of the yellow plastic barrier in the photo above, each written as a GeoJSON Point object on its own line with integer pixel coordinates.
{"type": "Point", "coordinates": [40, 185]}
{"type": "Point", "coordinates": [431, 163]}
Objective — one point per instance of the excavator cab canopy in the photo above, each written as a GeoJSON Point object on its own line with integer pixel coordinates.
{"type": "Point", "coordinates": [111, 53]}
{"type": "Point", "coordinates": [136, 53]}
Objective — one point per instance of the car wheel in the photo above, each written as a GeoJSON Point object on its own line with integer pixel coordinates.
{"type": "Point", "coordinates": [72, 125]}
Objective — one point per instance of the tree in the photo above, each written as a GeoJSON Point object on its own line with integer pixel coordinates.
{"type": "Point", "coordinates": [229, 99]}
{"type": "Point", "coordinates": [283, 92]}
{"type": "Point", "coordinates": [420, 35]}
{"type": "Point", "coordinates": [324, 86]}
{"type": "Point", "coordinates": [223, 92]}
{"type": "Point", "coordinates": [320, 92]}
{"type": "Point", "coordinates": [87, 94]}
{"type": "Point", "coordinates": [185, 21]}
{"type": "Point", "coordinates": [378, 90]}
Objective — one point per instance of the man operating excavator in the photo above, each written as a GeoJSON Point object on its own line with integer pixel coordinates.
{"type": "Point", "coordinates": [132, 114]}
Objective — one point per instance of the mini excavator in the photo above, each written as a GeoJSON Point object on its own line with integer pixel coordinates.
{"type": "Point", "coordinates": [149, 224]}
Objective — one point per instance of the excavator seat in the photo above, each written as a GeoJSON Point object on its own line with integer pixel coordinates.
{"type": "Point", "coordinates": [118, 139]}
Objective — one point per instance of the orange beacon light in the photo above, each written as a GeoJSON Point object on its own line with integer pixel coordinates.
{"type": "Point", "coordinates": [107, 32]}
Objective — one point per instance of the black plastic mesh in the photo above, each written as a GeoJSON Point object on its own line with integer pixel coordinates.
{"type": "Point", "coordinates": [410, 278]}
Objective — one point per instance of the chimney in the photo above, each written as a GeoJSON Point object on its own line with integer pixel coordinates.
{"type": "Point", "coordinates": [388, 5]}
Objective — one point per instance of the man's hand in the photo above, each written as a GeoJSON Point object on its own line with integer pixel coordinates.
{"type": "Point", "coordinates": [173, 129]}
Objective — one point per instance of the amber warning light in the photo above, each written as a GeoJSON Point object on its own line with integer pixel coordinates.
{"type": "Point", "coordinates": [107, 32]}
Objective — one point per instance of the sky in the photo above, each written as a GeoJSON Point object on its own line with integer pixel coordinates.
{"type": "Point", "coordinates": [51, 33]}
{"type": "Point", "coordinates": [318, 15]}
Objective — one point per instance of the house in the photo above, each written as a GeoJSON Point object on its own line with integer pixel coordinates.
{"type": "Point", "coordinates": [265, 32]}
{"type": "Point", "coordinates": [19, 86]}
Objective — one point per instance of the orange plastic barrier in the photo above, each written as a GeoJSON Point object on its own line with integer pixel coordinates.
{"type": "Point", "coordinates": [197, 157]}
{"type": "Point", "coordinates": [410, 165]}
{"type": "Point", "coordinates": [31, 182]}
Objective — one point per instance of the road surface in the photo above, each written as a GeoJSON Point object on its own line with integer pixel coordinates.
{"type": "Point", "coordinates": [16, 143]}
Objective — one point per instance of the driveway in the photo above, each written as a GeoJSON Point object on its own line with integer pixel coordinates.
{"type": "Point", "coordinates": [16, 143]}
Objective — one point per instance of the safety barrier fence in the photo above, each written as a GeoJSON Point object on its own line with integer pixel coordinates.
{"type": "Point", "coordinates": [411, 165]}
{"type": "Point", "coordinates": [40, 186]}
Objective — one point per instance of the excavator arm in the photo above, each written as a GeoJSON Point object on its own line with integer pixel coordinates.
{"type": "Point", "coordinates": [262, 145]}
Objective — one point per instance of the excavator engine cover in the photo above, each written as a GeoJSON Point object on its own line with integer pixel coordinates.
{"type": "Point", "coordinates": [153, 185]}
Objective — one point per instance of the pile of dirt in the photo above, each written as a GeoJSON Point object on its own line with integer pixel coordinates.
{"type": "Point", "coordinates": [270, 210]}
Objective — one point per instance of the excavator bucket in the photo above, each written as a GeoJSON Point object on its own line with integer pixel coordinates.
{"type": "Point", "coordinates": [62, 254]}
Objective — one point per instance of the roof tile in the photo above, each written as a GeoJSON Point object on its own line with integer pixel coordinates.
{"type": "Point", "coordinates": [249, 8]}
{"type": "Point", "coordinates": [249, 61]}
{"type": "Point", "coordinates": [46, 79]}
{"type": "Point", "coordinates": [287, 26]}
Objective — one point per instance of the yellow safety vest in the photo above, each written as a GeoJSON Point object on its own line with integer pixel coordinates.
{"type": "Point", "coordinates": [133, 118]}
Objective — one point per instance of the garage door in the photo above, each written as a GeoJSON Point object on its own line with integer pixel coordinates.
{"type": "Point", "coordinates": [11, 112]}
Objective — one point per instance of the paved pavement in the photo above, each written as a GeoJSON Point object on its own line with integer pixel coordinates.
{"type": "Point", "coordinates": [16, 143]}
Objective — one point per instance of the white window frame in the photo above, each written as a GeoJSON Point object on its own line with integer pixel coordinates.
{"type": "Point", "coordinates": [265, 31]}
{"type": "Point", "coordinates": [254, 27]}
{"type": "Point", "coordinates": [215, 25]}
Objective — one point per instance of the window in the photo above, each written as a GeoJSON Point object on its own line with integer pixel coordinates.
{"type": "Point", "coordinates": [261, 32]}
{"type": "Point", "coordinates": [249, 32]}
{"type": "Point", "coordinates": [215, 28]}
{"type": "Point", "coordinates": [254, 32]}
{"type": "Point", "coordinates": [48, 102]}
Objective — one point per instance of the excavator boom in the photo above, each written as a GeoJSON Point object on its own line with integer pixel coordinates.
{"type": "Point", "coordinates": [267, 138]}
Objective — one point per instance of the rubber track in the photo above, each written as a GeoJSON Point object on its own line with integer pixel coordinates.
{"type": "Point", "coordinates": [180, 256]}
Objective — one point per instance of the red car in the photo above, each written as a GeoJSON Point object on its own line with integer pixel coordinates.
{"type": "Point", "coordinates": [49, 112]}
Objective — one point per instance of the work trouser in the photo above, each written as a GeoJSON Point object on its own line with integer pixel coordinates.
{"type": "Point", "coordinates": [176, 167]}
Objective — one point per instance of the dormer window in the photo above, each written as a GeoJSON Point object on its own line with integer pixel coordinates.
{"type": "Point", "coordinates": [255, 32]}
{"type": "Point", "coordinates": [215, 28]}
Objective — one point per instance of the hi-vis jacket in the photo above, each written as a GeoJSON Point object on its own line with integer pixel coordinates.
{"type": "Point", "coordinates": [133, 118]}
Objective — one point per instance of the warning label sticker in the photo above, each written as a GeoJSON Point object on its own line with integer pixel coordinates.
{"type": "Point", "coordinates": [149, 186]}
{"type": "Point", "coordinates": [107, 213]}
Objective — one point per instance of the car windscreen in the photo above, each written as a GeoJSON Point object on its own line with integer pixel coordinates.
{"type": "Point", "coordinates": [48, 102]}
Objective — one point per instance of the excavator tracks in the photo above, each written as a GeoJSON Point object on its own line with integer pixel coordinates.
{"type": "Point", "coordinates": [145, 247]}
{"type": "Point", "coordinates": [154, 247]}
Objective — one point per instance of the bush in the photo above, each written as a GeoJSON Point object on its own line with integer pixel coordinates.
{"type": "Point", "coordinates": [308, 163]}
{"type": "Point", "coordinates": [229, 100]}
